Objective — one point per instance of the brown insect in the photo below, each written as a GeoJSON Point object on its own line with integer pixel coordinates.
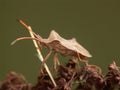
{"type": "Point", "coordinates": [55, 43]}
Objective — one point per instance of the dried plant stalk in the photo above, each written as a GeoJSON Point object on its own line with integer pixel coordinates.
{"type": "Point", "coordinates": [38, 51]}
{"type": "Point", "coordinates": [41, 58]}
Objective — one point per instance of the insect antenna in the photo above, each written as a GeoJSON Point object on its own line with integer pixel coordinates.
{"type": "Point", "coordinates": [24, 38]}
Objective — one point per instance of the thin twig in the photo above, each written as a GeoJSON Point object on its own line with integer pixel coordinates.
{"type": "Point", "coordinates": [38, 50]}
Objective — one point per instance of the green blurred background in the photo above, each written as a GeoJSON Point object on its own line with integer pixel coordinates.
{"type": "Point", "coordinates": [94, 23]}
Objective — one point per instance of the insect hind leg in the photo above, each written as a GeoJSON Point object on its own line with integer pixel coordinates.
{"type": "Point", "coordinates": [81, 60]}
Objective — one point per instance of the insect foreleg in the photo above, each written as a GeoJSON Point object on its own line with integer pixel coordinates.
{"type": "Point", "coordinates": [46, 58]}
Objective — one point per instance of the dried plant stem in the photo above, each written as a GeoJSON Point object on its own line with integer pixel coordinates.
{"type": "Point", "coordinates": [38, 51]}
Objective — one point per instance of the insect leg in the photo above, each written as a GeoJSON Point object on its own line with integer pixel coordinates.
{"type": "Point", "coordinates": [84, 61]}
{"type": "Point", "coordinates": [46, 58]}
{"type": "Point", "coordinates": [56, 61]}
{"type": "Point", "coordinates": [76, 62]}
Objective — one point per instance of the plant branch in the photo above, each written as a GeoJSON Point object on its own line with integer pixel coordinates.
{"type": "Point", "coordinates": [38, 50]}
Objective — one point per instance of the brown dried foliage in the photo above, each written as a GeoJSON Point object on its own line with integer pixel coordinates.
{"type": "Point", "coordinates": [86, 77]}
